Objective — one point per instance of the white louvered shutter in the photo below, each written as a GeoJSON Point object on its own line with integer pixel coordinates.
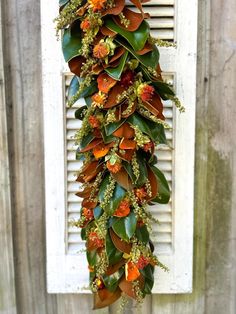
{"type": "Point", "coordinates": [66, 265]}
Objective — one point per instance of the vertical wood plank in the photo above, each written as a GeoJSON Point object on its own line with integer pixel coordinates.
{"type": "Point", "coordinates": [221, 238]}
{"type": "Point", "coordinates": [24, 103]}
{"type": "Point", "coordinates": [7, 287]}
{"type": "Point", "coordinates": [77, 304]}
{"type": "Point", "coordinates": [133, 307]}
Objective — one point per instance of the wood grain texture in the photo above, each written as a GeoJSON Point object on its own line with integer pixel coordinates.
{"type": "Point", "coordinates": [221, 201]}
{"type": "Point", "coordinates": [7, 288]}
{"type": "Point", "coordinates": [214, 250]}
{"type": "Point", "coordinates": [24, 103]}
{"type": "Point", "coordinates": [215, 176]}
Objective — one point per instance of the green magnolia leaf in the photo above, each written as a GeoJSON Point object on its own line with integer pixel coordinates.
{"type": "Point", "coordinates": [86, 140]}
{"type": "Point", "coordinates": [163, 195]}
{"type": "Point", "coordinates": [107, 138]}
{"type": "Point", "coordinates": [154, 130]}
{"type": "Point", "coordinates": [112, 127]}
{"type": "Point", "coordinates": [147, 272]}
{"type": "Point", "coordinates": [115, 73]}
{"type": "Point", "coordinates": [73, 87]}
{"type": "Point", "coordinates": [136, 39]}
{"type": "Point", "coordinates": [92, 257]}
{"type": "Point", "coordinates": [103, 187]}
{"type": "Point", "coordinates": [87, 91]}
{"type": "Point", "coordinates": [79, 113]}
{"type": "Point", "coordinates": [83, 234]}
{"type": "Point", "coordinates": [114, 255]}
{"type": "Point", "coordinates": [111, 282]}
{"type": "Point", "coordinates": [88, 101]}
{"type": "Point", "coordinates": [92, 276]}
{"type": "Point", "coordinates": [150, 59]}
{"type": "Point", "coordinates": [63, 2]}
{"type": "Point", "coordinates": [142, 168]}
{"type": "Point", "coordinates": [98, 211]}
{"type": "Point", "coordinates": [118, 195]}
{"type": "Point", "coordinates": [142, 234]}
{"type": "Point", "coordinates": [111, 221]}
{"type": "Point", "coordinates": [125, 227]}
{"type": "Point", "coordinates": [129, 170]}
{"type": "Point", "coordinates": [163, 89]}
{"type": "Point", "coordinates": [153, 160]}
{"type": "Point", "coordinates": [71, 43]}
{"type": "Point", "coordinates": [78, 155]}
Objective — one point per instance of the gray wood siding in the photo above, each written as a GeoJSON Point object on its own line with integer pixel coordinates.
{"type": "Point", "coordinates": [22, 225]}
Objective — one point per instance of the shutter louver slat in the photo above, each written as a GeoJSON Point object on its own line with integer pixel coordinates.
{"type": "Point", "coordinates": [161, 21]}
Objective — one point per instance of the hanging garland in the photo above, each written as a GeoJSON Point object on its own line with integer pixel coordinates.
{"type": "Point", "coordinates": [116, 65]}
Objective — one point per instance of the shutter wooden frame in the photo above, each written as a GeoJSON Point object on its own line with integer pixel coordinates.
{"type": "Point", "coordinates": [68, 273]}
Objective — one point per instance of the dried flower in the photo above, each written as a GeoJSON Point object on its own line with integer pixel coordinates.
{"type": "Point", "coordinates": [101, 50]}
{"type": "Point", "coordinates": [95, 241]}
{"type": "Point", "coordinates": [85, 24]}
{"type": "Point", "coordinates": [140, 223]}
{"type": "Point", "coordinates": [123, 209]}
{"type": "Point", "coordinates": [94, 122]}
{"type": "Point", "coordinates": [145, 92]}
{"type": "Point", "coordinates": [88, 213]}
{"type": "Point", "coordinates": [142, 262]}
{"type": "Point", "coordinates": [99, 283]}
{"type": "Point", "coordinates": [99, 99]}
{"type": "Point", "coordinates": [141, 193]}
{"type": "Point", "coordinates": [114, 168]}
{"type": "Point", "coordinates": [97, 5]}
{"type": "Point", "coordinates": [148, 146]}
{"type": "Point", "coordinates": [127, 78]}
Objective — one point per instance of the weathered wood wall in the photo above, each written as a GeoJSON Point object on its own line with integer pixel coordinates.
{"type": "Point", "coordinates": [22, 226]}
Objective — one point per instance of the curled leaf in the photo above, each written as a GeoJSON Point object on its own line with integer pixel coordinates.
{"type": "Point", "coordinates": [123, 179]}
{"type": "Point", "coordinates": [104, 298]}
{"type": "Point", "coordinates": [135, 19]}
{"type": "Point", "coordinates": [121, 245]}
{"type": "Point", "coordinates": [116, 9]}
{"type": "Point", "coordinates": [127, 144]}
{"type": "Point", "coordinates": [127, 287]}
{"type": "Point", "coordinates": [136, 39]}
{"type": "Point", "coordinates": [125, 130]}
{"type": "Point", "coordinates": [75, 65]}
{"type": "Point", "coordinates": [112, 99]}
{"type": "Point", "coordinates": [105, 82]}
